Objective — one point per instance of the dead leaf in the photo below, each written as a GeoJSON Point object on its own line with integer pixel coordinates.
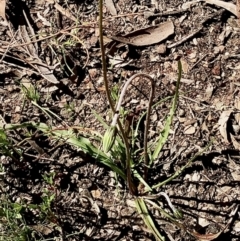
{"type": "Point", "coordinates": [203, 222]}
{"type": "Point", "coordinates": [206, 237]}
{"type": "Point", "coordinates": [2, 9]}
{"type": "Point", "coordinates": [189, 130]}
{"type": "Point", "coordinates": [185, 66]}
{"type": "Point", "coordinates": [237, 103]}
{"type": "Point", "coordinates": [161, 49]}
{"type": "Point", "coordinates": [110, 6]}
{"type": "Point", "coordinates": [235, 142]}
{"type": "Point", "coordinates": [236, 129]}
{"type": "Point", "coordinates": [210, 237]}
{"type": "Point", "coordinates": [227, 5]}
{"type": "Point", "coordinates": [238, 10]}
{"type": "Point", "coordinates": [189, 4]}
{"type": "Point", "coordinates": [235, 169]}
{"type": "Point", "coordinates": [44, 229]}
{"type": "Point", "coordinates": [223, 124]}
{"type": "Point", "coordinates": [147, 36]}
{"type": "Point", "coordinates": [209, 91]}
{"type": "Point", "coordinates": [96, 193]}
{"type": "Point", "coordinates": [236, 227]}
{"type": "Point", "coordinates": [237, 118]}
{"type": "Point", "coordinates": [62, 10]}
{"type": "Point", "coordinates": [235, 176]}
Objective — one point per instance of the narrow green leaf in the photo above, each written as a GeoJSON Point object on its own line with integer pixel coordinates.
{"type": "Point", "coordinates": [78, 141]}
{"type": "Point", "coordinates": [163, 136]}
{"type": "Point", "coordinates": [177, 173]}
{"type": "Point", "coordinates": [140, 178]}
{"type": "Point", "coordinates": [143, 211]}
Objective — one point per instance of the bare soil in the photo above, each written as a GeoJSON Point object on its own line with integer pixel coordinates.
{"type": "Point", "coordinates": [89, 205]}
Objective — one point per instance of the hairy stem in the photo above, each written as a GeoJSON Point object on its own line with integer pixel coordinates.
{"type": "Point", "coordinates": [104, 65]}
{"type": "Point", "coordinates": [116, 115]}
{"type": "Point", "coordinates": [131, 186]}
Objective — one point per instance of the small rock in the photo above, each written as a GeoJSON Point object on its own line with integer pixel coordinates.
{"type": "Point", "coordinates": [203, 222]}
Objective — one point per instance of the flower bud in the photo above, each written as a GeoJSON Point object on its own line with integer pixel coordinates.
{"type": "Point", "coordinates": [109, 138]}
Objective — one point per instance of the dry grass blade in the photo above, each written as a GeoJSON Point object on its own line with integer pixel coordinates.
{"type": "Point", "coordinates": [32, 51]}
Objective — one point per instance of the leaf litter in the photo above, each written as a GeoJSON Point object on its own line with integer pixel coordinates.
{"type": "Point", "coordinates": [147, 36]}
{"type": "Point", "coordinates": [74, 170]}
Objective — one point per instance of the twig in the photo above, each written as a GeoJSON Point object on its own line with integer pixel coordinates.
{"type": "Point", "coordinates": [205, 55]}
{"type": "Point", "coordinates": [149, 14]}
{"type": "Point", "coordinates": [184, 39]}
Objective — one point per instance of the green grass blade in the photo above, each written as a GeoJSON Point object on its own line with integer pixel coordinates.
{"type": "Point", "coordinates": [177, 173]}
{"type": "Point", "coordinates": [143, 211]}
{"type": "Point", "coordinates": [140, 178]}
{"type": "Point", "coordinates": [100, 119]}
{"type": "Point", "coordinates": [78, 141]}
{"type": "Point", "coordinates": [85, 145]}
{"type": "Point", "coordinates": [164, 134]}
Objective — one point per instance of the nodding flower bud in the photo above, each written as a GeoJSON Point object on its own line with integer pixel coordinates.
{"type": "Point", "coordinates": [109, 138]}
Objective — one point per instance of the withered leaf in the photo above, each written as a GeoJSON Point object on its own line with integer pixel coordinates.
{"type": "Point", "coordinates": [147, 36]}
{"type": "Point", "coordinates": [238, 11]}
{"type": "Point", "coordinates": [227, 5]}
{"type": "Point", "coordinates": [223, 124]}
{"type": "Point", "coordinates": [235, 142]}
{"type": "Point", "coordinates": [111, 7]}
{"type": "Point", "coordinates": [2, 9]}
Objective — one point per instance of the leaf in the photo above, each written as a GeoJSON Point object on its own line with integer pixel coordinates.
{"type": "Point", "coordinates": [110, 6]}
{"type": "Point", "coordinates": [70, 137]}
{"type": "Point", "coordinates": [2, 9]}
{"type": "Point", "coordinates": [227, 5]}
{"type": "Point", "coordinates": [147, 36]}
{"type": "Point", "coordinates": [235, 142]}
{"type": "Point", "coordinates": [143, 211]}
{"type": "Point", "coordinates": [164, 134]}
{"type": "Point", "coordinates": [238, 11]}
{"type": "Point", "coordinates": [205, 237]}
{"type": "Point", "coordinates": [223, 124]}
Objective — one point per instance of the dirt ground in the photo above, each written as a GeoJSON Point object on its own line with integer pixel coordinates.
{"type": "Point", "coordinates": [63, 64]}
